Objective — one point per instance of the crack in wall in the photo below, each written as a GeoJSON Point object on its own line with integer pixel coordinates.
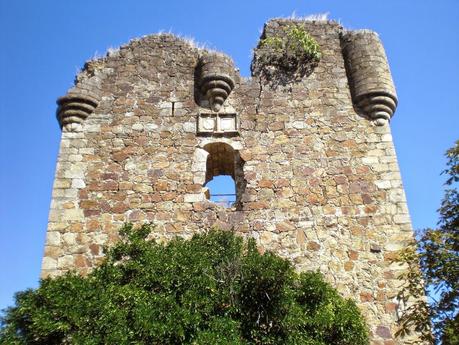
{"type": "Point", "coordinates": [257, 107]}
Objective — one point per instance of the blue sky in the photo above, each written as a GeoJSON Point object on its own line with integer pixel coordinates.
{"type": "Point", "coordinates": [44, 43]}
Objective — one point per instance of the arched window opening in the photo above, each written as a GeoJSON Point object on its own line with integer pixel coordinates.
{"type": "Point", "coordinates": [222, 190]}
{"type": "Point", "coordinates": [224, 174]}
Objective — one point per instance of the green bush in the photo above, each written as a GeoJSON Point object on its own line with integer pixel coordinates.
{"type": "Point", "coordinates": [297, 42]}
{"type": "Point", "coordinates": [287, 56]}
{"type": "Point", "coordinates": [212, 289]}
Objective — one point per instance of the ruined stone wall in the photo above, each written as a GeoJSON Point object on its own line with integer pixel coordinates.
{"type": "Point", "coordinates": [318, 180]}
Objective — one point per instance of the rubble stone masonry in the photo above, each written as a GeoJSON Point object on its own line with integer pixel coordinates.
{"type": "Point", "coordinates": [317, 178]}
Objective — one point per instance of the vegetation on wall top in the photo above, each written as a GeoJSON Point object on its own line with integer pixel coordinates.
{"type": "Point", "coordinates": [297, 42]}
{"type": "Point", "coordinates": [292, 52]}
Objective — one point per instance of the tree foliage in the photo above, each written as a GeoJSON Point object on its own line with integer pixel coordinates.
{"type": "Point", "coordinates": [434, 261]}
{"type": "Point", "coordinates": [212, 289]}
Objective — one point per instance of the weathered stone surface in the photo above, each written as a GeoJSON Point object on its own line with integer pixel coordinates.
{"type": "Point", "coordinates": [315, 182]}
{"type": "Point", "coordinates": [371, 82]}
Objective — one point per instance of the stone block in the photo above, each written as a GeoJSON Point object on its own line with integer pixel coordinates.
{"type": "Point", "coordinates": [53, 238]}
{"type": "Point", "coordinates": [49, 263]}
{"type": "Point", "coordinates": [78, 183]}
{"type": "Point", "coordinates": [402, 219]}
{"type": "Point", "coordinates": [194, 197]}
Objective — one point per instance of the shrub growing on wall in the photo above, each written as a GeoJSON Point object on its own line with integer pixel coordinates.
{"type": "Point", "coordinates": [287, 56]}
{"type": "Point", "coordinates": [212, 289]}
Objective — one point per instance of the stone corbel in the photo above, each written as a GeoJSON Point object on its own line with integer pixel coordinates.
{"type": "Point", "coordinates": [370, 80]}
{"type": "Point", "coordinates": [216, 79]}
{"type": "Point", "coordinates": [74, 108]}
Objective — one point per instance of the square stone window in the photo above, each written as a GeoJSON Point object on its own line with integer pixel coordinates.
{"type": "Point", "coordinates": [217, 123]}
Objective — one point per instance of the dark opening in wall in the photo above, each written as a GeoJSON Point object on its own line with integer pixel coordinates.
{"type": "Point", "coordinates": [224, 174]}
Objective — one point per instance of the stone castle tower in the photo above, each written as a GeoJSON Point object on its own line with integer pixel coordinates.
{"type": "Point", "coordinates": [306, 141]}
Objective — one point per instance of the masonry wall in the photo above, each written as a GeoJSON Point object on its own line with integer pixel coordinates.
{"type": "Point", "coordinates": [319, 182]}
